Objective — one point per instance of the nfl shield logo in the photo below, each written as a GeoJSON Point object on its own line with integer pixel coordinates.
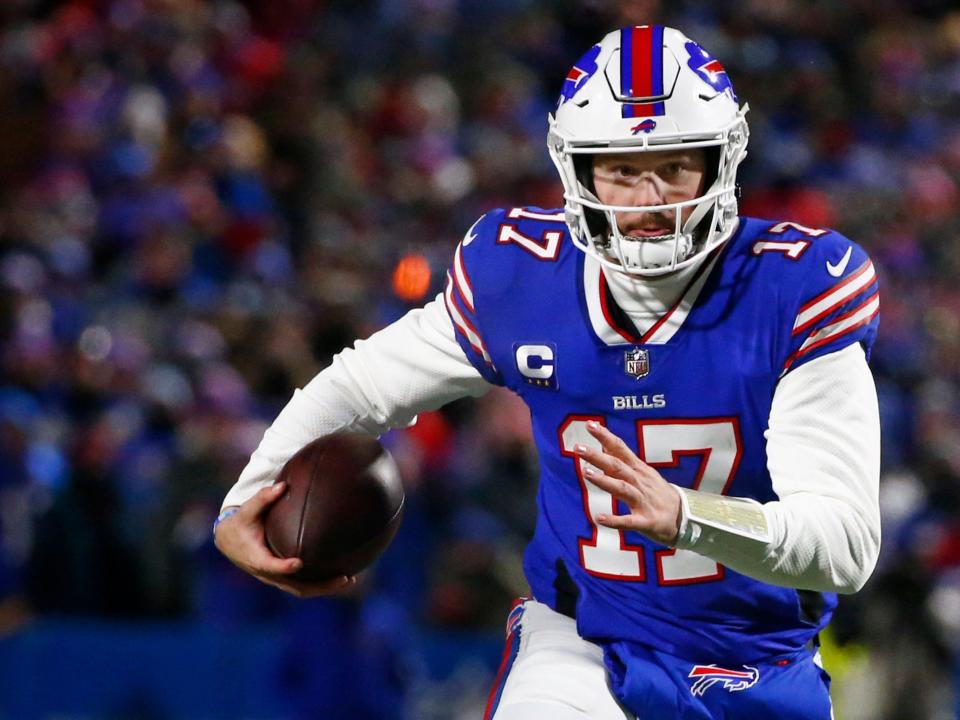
{"type": "Point", "coordinates": [636, 363]}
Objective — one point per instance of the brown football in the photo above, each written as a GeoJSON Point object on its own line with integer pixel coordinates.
{"type": "Point", "coordinates": [341, 508]}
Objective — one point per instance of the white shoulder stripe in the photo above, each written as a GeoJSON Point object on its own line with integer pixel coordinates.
{"type": "Point", "coordinates": [829, 301]}
{"type": "Point", "coordinates": [462, 324]}
{"type": "Point", "coordinates": [463, 282]}
{"type": "Point", "coordinates": [852, 320]}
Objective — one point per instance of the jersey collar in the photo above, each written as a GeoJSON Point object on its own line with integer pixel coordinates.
{"type": "Point", "coordinates": [612, 325]}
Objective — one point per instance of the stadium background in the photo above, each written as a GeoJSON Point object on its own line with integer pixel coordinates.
{"type": "Point", "coordinates": [200, 202]}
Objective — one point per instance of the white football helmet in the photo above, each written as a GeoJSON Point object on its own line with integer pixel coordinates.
{"type": "Point", "coordinates": [646, 89]}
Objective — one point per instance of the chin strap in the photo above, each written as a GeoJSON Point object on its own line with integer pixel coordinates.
{"type": "Point", "coordinates": [699, 213]}
{"type": "Point", "coordinates": [659, 252]}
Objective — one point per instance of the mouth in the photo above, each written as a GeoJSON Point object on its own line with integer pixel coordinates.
{"type": "Point", "coordinates": [647, 233]}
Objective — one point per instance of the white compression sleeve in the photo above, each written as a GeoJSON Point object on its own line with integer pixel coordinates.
{"type": "Point", "coordinates": [823, 454]}
{"type": "Point", "coordinates": [411, 366]}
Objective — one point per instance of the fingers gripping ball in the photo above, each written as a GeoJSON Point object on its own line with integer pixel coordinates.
{"type": "Point", "coordinates": [341, 509]}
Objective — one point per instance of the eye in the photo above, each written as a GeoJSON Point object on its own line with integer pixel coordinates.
{"type": "Point", "coordinates": [671, 169]}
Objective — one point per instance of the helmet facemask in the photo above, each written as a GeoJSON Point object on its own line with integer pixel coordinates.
{"type": "Point", "coordinates": [594, 227]}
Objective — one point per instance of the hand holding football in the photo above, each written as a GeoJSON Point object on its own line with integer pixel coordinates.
{"type": "Point", "coordinates": [342, 506]}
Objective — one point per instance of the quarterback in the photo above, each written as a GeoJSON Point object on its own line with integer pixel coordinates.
{"type": "Point", "coordinates": [705, 418]}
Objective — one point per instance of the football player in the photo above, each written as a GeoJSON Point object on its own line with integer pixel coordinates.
{"type": "Point", "coordinates": [705, 418]}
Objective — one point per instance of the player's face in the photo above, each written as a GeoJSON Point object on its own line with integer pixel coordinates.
{"type": "Point", "coordinates": [649, 178]}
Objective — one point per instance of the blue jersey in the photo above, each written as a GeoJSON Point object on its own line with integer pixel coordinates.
{"type": "Point", "coordinates": [691, 396]}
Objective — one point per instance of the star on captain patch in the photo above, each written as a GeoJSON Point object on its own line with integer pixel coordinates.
{"type": "Point", "coordinates": [636, 363]}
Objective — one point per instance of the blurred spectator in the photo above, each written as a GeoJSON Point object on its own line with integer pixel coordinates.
{"type": "Point", "coordinates": [203, 201]}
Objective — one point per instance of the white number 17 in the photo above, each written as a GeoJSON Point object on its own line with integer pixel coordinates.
{"type": "Point", "coordinates": [661, 444]}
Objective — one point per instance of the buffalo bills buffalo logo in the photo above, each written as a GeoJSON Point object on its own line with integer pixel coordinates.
{"type": "Point", "coordinates": [646, 126]}
{"type": "Point", "coordinates": [581, 71]}
{"type": "Point", "coordinates": [709, 69]}
{"type": "Point", "coordinates": [706, 676]}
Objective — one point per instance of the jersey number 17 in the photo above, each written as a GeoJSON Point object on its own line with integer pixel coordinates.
{"type": "Point", "coordinates": [661, 444]}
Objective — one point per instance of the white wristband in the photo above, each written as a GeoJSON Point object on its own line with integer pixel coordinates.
{"type": "Point", "coordinates": [740, 516]}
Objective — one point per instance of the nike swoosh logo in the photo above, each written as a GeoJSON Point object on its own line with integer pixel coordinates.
{"type": "Point", "coordinates": [471, 235]}
{"type": "Point", "coordinates": [837, 270]}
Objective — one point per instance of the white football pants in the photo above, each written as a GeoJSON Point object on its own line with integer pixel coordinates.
{"type": "Point", "coordinates": [556, 675]}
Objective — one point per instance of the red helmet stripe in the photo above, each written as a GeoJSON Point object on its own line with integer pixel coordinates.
{"type": "Point", "coordinates": [642, 76]}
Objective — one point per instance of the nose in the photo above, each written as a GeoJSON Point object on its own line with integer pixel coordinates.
{"type": "Point", "coordinates": [647, 191]}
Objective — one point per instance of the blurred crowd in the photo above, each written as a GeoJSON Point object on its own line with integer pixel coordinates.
{"type": "Point", "coordinates": [203, 201]}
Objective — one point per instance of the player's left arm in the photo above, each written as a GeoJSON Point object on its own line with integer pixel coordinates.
{"type": "Point", "coordinates": [823, 450]}
{"type": "Point", "coordinates": [823, 455]}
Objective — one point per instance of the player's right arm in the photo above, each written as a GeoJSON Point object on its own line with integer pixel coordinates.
{"type": "Point", "coordinates": [383, 382]}
{"type": "Point", "coordinates": [241, 539]}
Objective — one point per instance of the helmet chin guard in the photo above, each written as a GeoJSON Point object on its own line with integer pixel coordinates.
{"type": "Point", "coordinates": [684, 100]}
